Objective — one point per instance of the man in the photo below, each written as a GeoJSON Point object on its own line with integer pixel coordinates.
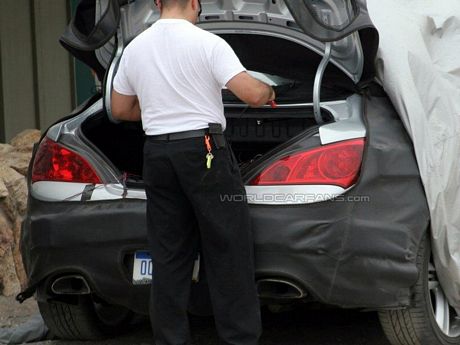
{"type": "Point", "coordinates": [171, 77]}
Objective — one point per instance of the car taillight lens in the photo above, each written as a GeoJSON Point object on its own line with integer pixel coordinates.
{"type": "Point", "coordinates": [54, 162]}
{"type": "Point", "coordinates": [334, 164]}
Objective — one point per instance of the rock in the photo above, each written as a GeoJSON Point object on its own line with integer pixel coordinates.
{"type": "Point", "coordinates": [8, 280]}
{"type": "Point", "coordinates": [19, 161]}
{"type": "Point", "coordinates": [17, 258]}
{"type": "Point", "coordinates": [6, 235]}
{"type": "Point", "coordinates": [16, 202]}
{"type": "Point", "coordinates": [17, 187]}
{"type": "Point", "coordinates": [5, 149]}
{"type": "Point", "coordinates": [25, 140]}
{"type": "Point", "coordinates": [14, 162]}
{"type": "Point", "coordinates": [3, 190]}
{"type": "Point", "coordinates": [12, 316]}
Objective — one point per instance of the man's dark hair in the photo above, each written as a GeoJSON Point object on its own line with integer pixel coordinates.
{"type": "Point", "coordinates": [170, 3]}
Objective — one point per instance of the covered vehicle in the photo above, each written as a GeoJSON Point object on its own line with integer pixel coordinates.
{"type": "Point", "coordinates": [338, 208]}
{"type": "Point", "coordinates": [423, 81]}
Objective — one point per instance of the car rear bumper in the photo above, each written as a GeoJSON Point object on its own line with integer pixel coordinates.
{"type": "Point", "coordinates": [337, 263]}
{"type": "Point", "coordinates": [91, 239]}
{"type": "Point", "coordinates": [357, 251]}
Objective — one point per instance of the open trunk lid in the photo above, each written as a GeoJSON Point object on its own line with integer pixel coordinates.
{"type": "Point", "coordinates": [90, 35]}
{"type": "Point", "coordinates": [330, 20]}
{"type": "Point", "coordinates": [100, 29]}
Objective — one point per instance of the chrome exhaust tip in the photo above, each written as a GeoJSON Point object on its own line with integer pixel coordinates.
{"type": "Point", "coordinates": [70, 285]}
{"type": "Point", "coordinates": [279, 289]}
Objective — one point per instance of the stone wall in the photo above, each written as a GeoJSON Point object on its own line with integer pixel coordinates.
{"type": "Point", "coordinates": [14, 162]}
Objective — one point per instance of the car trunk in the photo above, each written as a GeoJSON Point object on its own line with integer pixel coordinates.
{"type": "Point", "coordinates": [251, 135]}
{"type": "Point", "coordinates": [251, 132]}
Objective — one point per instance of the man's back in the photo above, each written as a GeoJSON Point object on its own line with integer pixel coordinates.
{"type": "Point", "coordinates": [171, 77]}
{"type": "Point", "coordinates": [175, 60]}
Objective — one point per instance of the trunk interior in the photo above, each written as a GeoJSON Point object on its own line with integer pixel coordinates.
{"type": "Point", "coordinates": [250, 132]}
{"type": "Point", "coordinates": [290, 67]}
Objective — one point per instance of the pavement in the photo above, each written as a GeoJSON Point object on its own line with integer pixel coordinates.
{"type": "Point", "coordinates": [13, 314]}
{"type": "Point", "coordinates": [301, 326]}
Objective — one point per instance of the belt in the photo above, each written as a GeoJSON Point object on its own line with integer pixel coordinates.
{"type": "Point", "coordinates": [179, 135]}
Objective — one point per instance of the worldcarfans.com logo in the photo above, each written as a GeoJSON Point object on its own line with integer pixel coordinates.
{"type": "Point", "coordinates": [292, 198]}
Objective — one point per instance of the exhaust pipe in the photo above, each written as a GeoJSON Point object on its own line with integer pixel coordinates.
{"type": "Point", "coordinates": [71, 285]}
{"type": "Point", "coordinates": [279, 289]}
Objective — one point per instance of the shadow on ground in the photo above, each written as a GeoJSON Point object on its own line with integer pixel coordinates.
{"type": "Point", "coordinates": [298, 327]}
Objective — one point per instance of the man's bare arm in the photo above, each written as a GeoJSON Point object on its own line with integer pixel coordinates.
{"type": "Point", "coordinates": [125, 108]}
{"type": "Point", "coordinates": [250, 90]}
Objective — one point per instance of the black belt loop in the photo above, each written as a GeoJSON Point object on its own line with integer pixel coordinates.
{"type": "Point", "coordinates": [217, 134]}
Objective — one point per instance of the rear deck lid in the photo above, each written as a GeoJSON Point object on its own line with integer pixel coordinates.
{"type": "Point", "coordinates": [318, 21]}
{"type": "Point", "coordinates": [330, 20]}
{"type": "Point", "coordinates": [91, 35]}
{"type": "Point", "coordinates": [100, 29]}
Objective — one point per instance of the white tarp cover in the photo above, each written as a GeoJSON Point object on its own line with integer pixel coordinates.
{"type": "Point", "coordinates": [419, 66]}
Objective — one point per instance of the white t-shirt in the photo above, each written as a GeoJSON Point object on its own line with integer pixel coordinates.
{"type": "Point", "coordinates": [177, 71]}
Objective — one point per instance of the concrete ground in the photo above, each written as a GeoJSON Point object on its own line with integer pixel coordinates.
{"type": "Point", "coordinates": [13, 314]}
{"type": "Point", "coordinates": [297, 327]}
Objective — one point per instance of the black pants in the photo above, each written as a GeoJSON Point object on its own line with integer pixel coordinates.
{"type": "Point", "coordinates": [191, 207]}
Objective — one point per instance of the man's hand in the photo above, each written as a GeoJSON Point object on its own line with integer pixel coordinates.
{"type": "Point", "coordinates": [250, 90]}
{"type": "Point", "coordinates": [125, 108]}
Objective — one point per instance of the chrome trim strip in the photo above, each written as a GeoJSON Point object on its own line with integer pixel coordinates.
{"type": "Point", "coordinates": [117, 191]}
{"type": "Point", "coordinates": [70, 191]}
{"type": "Point", "coordinates": [291, 194]}
{"type": "Point", "coordinates": [326, 105]}
{"type": "Point", "coordinates": [255, 195]}
{"type": "Point", "coordinates": [57, 191]}
{"type": "Point", "coordinates": [280, 106]}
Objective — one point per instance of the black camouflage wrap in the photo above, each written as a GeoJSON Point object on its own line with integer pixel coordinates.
{"type": "Point", "coordinates": [349, 254]}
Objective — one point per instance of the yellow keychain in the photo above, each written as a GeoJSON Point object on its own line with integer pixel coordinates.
{"type": "Point", "coordinates": [209, 156]}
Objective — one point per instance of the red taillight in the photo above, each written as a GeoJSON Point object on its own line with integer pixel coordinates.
{"type": "Point", "coordinates": [334, 164]}
{"type": "Point", "coordinates": [56, 163]}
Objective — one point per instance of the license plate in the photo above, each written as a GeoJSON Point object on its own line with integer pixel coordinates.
{"type": "Point", "coordinates": [142, 271]}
